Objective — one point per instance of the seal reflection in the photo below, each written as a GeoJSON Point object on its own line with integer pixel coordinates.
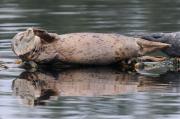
{"type": "Point", "coordinates": [37, 88]}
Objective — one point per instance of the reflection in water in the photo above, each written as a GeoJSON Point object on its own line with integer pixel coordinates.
{"type": "Point", "coordinates": [36, 87]}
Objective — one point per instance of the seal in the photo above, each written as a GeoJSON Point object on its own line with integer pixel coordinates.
{"type": "Point", "coordinates": [80, 48]}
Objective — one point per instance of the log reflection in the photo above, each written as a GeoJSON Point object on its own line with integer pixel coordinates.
{"type": "Point", "coordinates": [34, 88]}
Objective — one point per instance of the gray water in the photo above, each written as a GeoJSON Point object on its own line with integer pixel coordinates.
{"type": "Point", "coordinates": [87, 93]}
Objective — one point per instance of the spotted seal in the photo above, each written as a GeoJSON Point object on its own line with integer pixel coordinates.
{"type": "Point", "coordinates": [80, 48]}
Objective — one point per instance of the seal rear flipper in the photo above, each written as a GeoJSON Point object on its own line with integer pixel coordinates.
{"type": "Point", "coordinates": [150, 46]}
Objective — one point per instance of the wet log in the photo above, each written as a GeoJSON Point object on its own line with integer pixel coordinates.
{"type": "Point", "coordinates": [80, 48]}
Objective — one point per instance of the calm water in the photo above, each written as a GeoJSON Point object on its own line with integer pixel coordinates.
{"type": "Point", "coordinates": [86, 93]}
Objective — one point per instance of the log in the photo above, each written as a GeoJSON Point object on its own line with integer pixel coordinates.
{"type": "Point", "coordinates": [80, 48]}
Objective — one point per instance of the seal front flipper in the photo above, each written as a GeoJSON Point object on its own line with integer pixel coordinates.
{"type": "Point", "coordinates": [44, 35]}
{"type": "Point", "coordinates": [151, 58]}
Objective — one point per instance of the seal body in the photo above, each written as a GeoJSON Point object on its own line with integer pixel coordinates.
{"type": "Point", "coordinates": [97, 48]}
{"type": "Point", "coordinates": [80, 48]}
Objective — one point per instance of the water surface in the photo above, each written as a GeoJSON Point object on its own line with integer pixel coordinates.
{"type": "Point", "coordinates": [88, 92]}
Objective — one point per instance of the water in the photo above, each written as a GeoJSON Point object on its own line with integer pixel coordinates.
{"type": "Point", "coordinates": [89, 92]}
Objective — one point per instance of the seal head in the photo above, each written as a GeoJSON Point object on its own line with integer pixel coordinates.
{"type": "Point", "coordinates": [25, 42]}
